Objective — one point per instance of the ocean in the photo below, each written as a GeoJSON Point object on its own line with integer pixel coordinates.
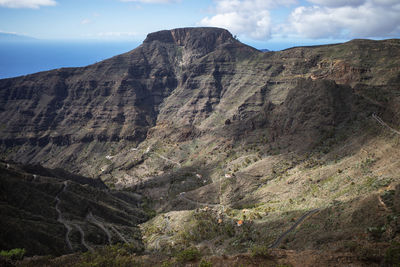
{"type": "Point", "coordinates": [21, 58]}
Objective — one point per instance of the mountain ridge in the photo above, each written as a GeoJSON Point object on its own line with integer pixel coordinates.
{"type": "Point", "coordinates": [143, 88]}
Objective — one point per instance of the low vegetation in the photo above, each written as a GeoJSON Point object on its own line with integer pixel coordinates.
{"type": "Point", "coordinates": [186, 255]}
{"type": "Point", "coordinates": [13, 254]}
{"type": "Point", "coordinates": [260, 251]}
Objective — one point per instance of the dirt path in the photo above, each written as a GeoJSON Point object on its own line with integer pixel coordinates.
{"type": "Point", "coordinates": [300, 220]}
{"type": "Point", "coordinates": [99, 224]}
{"type": "Point", "coordinates": [119, 234]}
{"type": "Point", "coordinates": [167, 159]}
{"type": "Point", "coordinates": [83, 242]}
{"type": "Point", "coordinates": [199, 203]}
{"type": "Point", "coordinates": [60, 217]}
{"type": "Point", "coordinates": [158, 239]}
{"type": "Point", "coordinates": [384, 124]}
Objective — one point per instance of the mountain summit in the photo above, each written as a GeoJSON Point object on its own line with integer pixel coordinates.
{"type": "Point", "coordinates": [192, 37]}
{"type": "Point", "coordinates": [203, 40]}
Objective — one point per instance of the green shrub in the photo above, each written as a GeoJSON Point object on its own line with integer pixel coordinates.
{"type": "Point", "coordinates": [376, 232]}
{"type": "Point", "coordinates": [13, 254]}
{"type": "Point", "coordinates": [204, 263]}
{"type": "Point", "coordinates": [260, 251]}
{"type": "Point", "coordinates": [166, 264]}
{"type": "Point", "coordinates": [114, 255]}
{"type": "Point", "coordinates": [147, 208]}
{"type": "Point", "coordinates": [204, 226]}
{"type": "Point", "coordinates": [189, 254]}
{"type": "Point", "coordinates": [350, 246]}
{"type": "Point", "coordinates": [392, 255]}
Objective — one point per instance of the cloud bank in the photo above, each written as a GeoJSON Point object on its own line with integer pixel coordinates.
{"type": "Point", "coordinates": [244, 17]}
{"type": "Point", "coordinates": [346, 19]}
{"type": "Point", "coordinates": [152, 1]}
{"type": "Point", "coordinates": [315, 19]}
{"type": "Point", "coordinates": [26, 3]}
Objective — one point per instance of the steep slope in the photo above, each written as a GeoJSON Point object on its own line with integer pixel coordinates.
{"type": "Point", "coordinates": [52, 212]}
{"type": "Point", "coordinates": [99, 108]}
{"type": "Point", "coordinates": [197, 80]}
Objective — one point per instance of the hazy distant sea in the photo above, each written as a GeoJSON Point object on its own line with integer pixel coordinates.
{"type": "Point", "coordinates": [20, 58]}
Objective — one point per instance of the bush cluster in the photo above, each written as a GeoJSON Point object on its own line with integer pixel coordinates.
{"type": "Point", "coordinates": [13, 254]}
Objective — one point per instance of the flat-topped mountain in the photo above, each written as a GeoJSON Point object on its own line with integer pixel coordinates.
{"type": "Point", "coordinates": [195, 118]}
{"type": "Point", "coordinates": [205, 39]}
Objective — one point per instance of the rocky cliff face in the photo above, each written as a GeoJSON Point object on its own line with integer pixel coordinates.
{"type": "Point", "coordinates": [200, 79]}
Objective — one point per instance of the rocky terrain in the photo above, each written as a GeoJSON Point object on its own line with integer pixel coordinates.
{"type": "Point", "coordinates": [300, 145]}
{"type": "Point", "coordinates": [52, 212]}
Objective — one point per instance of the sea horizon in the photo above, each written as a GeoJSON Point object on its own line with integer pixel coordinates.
{"type": "Point", "coordinates": [18, 58]}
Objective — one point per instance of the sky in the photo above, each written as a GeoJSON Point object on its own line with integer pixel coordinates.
{"type": "Point", "coordinates": [272, 24]}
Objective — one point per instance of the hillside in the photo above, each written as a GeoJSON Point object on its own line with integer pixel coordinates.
{"type": "Point", "coordinates": [211, 131]}
{"type": "Point", "coordinates": [52, 212]}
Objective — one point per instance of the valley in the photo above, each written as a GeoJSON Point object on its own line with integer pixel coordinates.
{"type": "Point", "coordinates": [195, 147]}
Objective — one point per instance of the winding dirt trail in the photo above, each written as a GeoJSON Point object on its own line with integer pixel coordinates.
{"type": "Point", "coordinates": [83, 242]}
{"type": "Point", "coordinates": [69, 225]}
{"type": "Point", "coordinates": [273, 245]}
{"type": "Point", "coordinates": [199, 203]}
{"type": "Point", "coordinates": [300, 220]}
{"type": "Point", "coordinates": [167, 159]}
{"type": "Point", "coordinates": [158, 239]}
{"type": "Point", "coordinates": [60, 217]}
{"type": "Point", "coordinates": [381, 122]}
{"type": "Point", "coordinates": [96, 222]}
{"type": "Point", "coordinates": [119, 234]}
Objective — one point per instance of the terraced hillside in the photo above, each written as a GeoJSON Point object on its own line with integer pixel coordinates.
{"type": "Point", "coordinates": [52, 212]}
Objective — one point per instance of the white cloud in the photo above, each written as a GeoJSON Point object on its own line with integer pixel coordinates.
{"type": "Point", "coordinates": [256, 25]}
{"type": "Point", "coordinates": [250, 18]}
{"type": "Point", "coordinates": [346, 19]}
{"type": "Point", "coordinates": [26, 3]}
{"type": "Point", "coordinates": [152, 1]}
{"type": "Point", "coordinates": [340, 19]}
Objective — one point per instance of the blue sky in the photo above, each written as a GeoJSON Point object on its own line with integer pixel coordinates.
{"type": "Point", "coordinates": [262, 23]}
